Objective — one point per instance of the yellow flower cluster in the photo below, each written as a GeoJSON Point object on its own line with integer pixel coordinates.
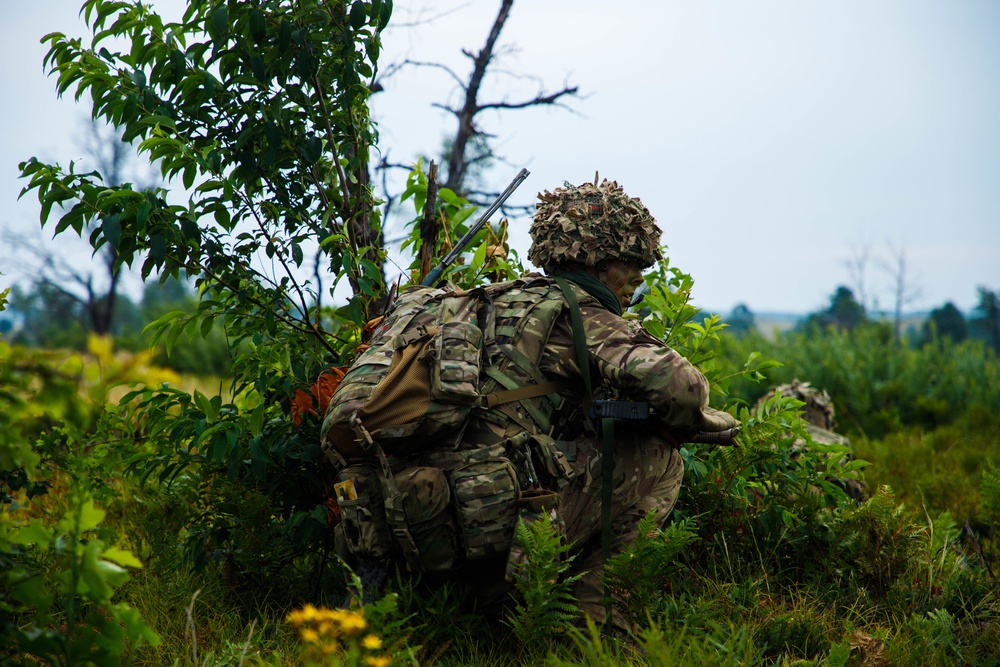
{"type": "Point", "coordinates": [326, 631]}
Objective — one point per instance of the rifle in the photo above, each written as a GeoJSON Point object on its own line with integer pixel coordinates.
{"type": "Point", "coordinates": [459, 248]}
{"type": "Point", "coordinates": [726, 438]}
{"type": "Point", "coordinates": [639, 411]}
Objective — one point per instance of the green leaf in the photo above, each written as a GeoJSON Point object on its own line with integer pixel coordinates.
{"type": "Point", "coordinates": [32, 533]}
{"type": "Point", "coordinates": [480, 256]}
{"type": "Point", "coordinates": [385, 14]}
{"type": "Point", "coordinates": [30, 592]}
{"type": "Point", "coordinates": [122, 557]}
{"type": "Point", "coordinates": [359, 15]}
{"type": "Point", "coordinates": [357, 313]}
{"type": "Point", "coordinates": [157, 249]}
{"type": "Point", "coordinates": [219, 19]}
{"type": "Point", "coordinates": [112, 229]}
{"type": "Point", "coordinates": [190, 172]}
{"type": "Point", "coordinates": [258, 27]}
{"type": "Point", "coordinates": [311, 150]}
{"type": "Point", "coordinates": [142, 215]}
{"type": "Point", "coordinates": [90, 516]}
{"type": "Point", "coordinates": [206, 326]}
{"type": "Point", "coordinates": [257, 420]}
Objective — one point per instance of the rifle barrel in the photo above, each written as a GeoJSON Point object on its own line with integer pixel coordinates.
{"type": "Point", "coordinates": [459, 248]}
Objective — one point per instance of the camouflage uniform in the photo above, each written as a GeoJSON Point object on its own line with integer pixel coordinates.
{"type": "Point", "coordinates": [626, 362]}
{"type": "Point", "coordinates": [818, 415]}
{"type": "Point", "coordinates": [450, 506]}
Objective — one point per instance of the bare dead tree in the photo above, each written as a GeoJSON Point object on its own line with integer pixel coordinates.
{"type": "Point", "coordinates": [471, 145]}
{"type": "Point", "coordinates": [857, 270]}
{"type": "Point", "coordinates": [459, 159]}
{"type": "Point", "coordinates": [904, 292]}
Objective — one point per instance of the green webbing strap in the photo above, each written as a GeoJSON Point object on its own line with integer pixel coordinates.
{"type": "Point", "coordinates": [517, 393]}
{"type": "Point", "coordinates": [579, 338]}
{"type": "Point", "coordinates": [605, 428]}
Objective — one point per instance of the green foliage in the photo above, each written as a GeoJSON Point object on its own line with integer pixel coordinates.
{"type": "Point", "coordinates": [545, 608]}
{"type": "Point", "coordinates": [56, 605]}
{"type": "Point", "coordinates": [715, 645]}
{"type": "Point", "coordinates": [927, 639]}
{"type": "Point", "coordinates": [990, 493]}
{"type": "Point", "coordinates": [640, 575]}
{"type": "Point", "coordinates": [878, 542]}
{"type": "Point", "coordinates": [259, 110]}
{"type": "Point", "coordinates": [53, 318]}
{"type": "Point", "coordinates": [879, 388]}
{"type": "Point", "coordinates": [667, 313]}
{"type": "Point", "coordinates": [843, 314]}
{"type": "Point", "coordinates": [985, 321]}
{"type": "Point", "coordinates": [946, 321]}
{"type": "Point", "coordinates": [491, 258]}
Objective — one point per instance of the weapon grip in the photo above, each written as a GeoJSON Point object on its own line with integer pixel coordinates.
{"type": "Point", "coordinates": [726, 438]}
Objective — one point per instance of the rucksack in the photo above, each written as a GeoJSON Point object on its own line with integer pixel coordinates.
{"type": "Point", "coordinates": [439, 355]}
{"type": "Point", "coordinates": [433, 359]}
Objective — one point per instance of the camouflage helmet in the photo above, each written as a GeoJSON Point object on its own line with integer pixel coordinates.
{"type": "Point", "coordinates": [591, 224]}
{"type": "Point", "coordinates": [818, 408]}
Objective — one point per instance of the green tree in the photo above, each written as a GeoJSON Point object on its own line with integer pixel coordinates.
{"type": "Point", "coordinates": [985, 322]}
{"type": "Point", "coordinates": [946, 321]}
{"type": "Point", "coordinates": [741, 321]}
{"type": "Point", "coordinates": [844, 312]}
{"type": "Point", "coordinates": [259, 110]}
{"type": "Point", "coordinates": [48, 317]}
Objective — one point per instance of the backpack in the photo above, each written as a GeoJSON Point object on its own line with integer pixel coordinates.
{"type": "Point", "coordinates": [439, 355]}
{"type": "Point", "coordinates": [434, 359]}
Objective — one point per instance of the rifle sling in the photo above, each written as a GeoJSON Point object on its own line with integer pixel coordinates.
{"type": "Point", "coordinates": [605, 429]}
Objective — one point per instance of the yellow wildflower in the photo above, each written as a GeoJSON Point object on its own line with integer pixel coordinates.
{"type": "Point", "coordinates": [310, 636]}
{"type": "Point", "coordinates": [302, 616]}
{"type": "Point", "coordinates": [372, 642]}
{"type": "Point", "coordinates": [379, 661]}
{"type": "Point", "coordinates": [353, 623]}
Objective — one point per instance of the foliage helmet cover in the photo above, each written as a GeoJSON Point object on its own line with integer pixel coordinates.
{"type": "Point", "coordinates": [592, 224]}
{"type": "Point", "coordinates": [818, 408]}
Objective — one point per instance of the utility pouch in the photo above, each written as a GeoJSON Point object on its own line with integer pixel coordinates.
{"type": "Point", "coordinates": [455, 370]}
{"type": "Point", "coordinates": [359, 496]}
{"type": "Point", "coordinates": [428, 535]}
{"type": "Point", "coordinates": [551, 458]}
{"type": "Point", "coordinates": [485, 495]}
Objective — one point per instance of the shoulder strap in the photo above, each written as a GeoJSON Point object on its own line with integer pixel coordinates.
{"type": "Point", "coordinates": [605, 429]}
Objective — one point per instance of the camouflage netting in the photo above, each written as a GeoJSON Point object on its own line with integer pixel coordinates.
{"type": "Point", "coordinates": [591, 224]}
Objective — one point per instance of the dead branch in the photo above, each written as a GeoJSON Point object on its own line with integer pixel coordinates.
{"type": "Point", "coordinates": [429, 224]}
{"type": "Point", "coordinates": [540, 100]}
{"type": "Point", "coordinates": [457, 165]}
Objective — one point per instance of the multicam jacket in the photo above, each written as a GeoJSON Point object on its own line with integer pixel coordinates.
{"type": "Point", "coordinates": [626, 362]}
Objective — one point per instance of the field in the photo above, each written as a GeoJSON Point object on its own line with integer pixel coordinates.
{"type": "Point", "coordinates": [119, 550]}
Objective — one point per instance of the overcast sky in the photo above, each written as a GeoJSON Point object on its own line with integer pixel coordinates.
{"type": "Point", "coordinates": [772, 140]}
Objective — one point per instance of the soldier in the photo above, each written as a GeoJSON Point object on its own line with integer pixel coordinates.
{"type": "Point", "coordinates": [558, 332]}
{"type": "Point", "coordinates": [600, 240]}
{"type": "Point", "coordinates": [818, 417]}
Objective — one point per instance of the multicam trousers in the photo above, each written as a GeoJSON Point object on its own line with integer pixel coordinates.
{"type": "Point", "coordinates": [647, 478]}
